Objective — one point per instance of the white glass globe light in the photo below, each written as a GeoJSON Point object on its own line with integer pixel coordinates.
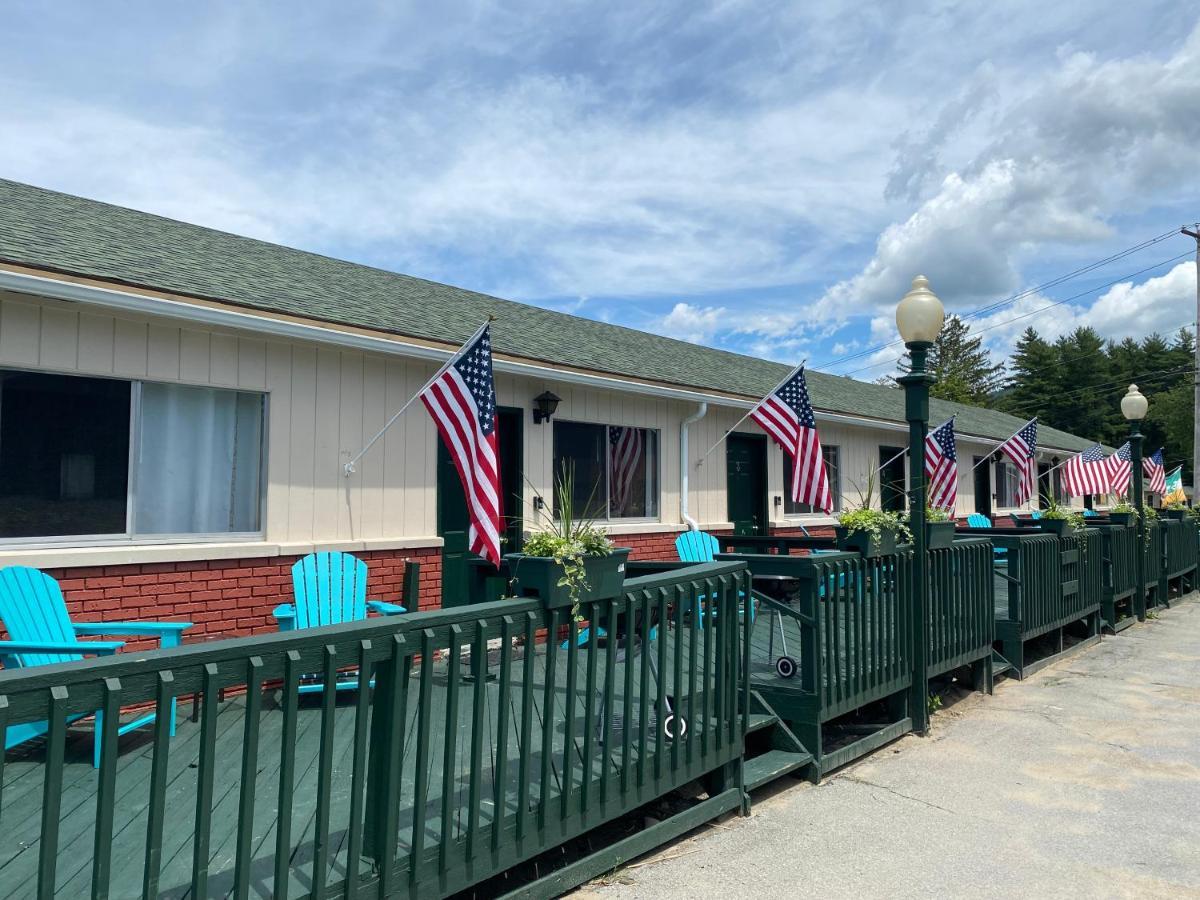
{"type": "Point", "coordinates": [920, 314]}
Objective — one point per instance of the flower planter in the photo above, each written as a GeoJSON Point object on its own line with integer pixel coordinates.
{"type": "Point", "coordinates": [1179, 514]}
{"type": "Point", "coordinates": [863, 542]}
{"type": "Point", "coordinates": [939, 535]}
{"type": "Point", "coordinates": [1060, 527]}
{"type": "Point", "coordinates": [538, 576]}
{"type": "Point", "coordinates": [1121, 518]}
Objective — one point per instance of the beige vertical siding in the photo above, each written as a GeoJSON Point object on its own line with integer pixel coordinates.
{"type": "Point", "coordinates": [325, 403]}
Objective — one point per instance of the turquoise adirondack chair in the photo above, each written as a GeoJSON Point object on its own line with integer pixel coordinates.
{"type": "Point", "coordinates": [1035, 514]}
{"type": "Point", "coordinates": [329, 588]}
{"type": "Point", "coordinates": [979, 520]}
{"type": "Point", "coordinates": [1089, 513]}
{"type": "Point", "coordinates": [702, 547]}
{"type": "Point", "coordinates": [42, 633]}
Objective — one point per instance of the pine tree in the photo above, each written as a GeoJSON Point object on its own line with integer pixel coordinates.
{"type": "Point", "coordinates": [1034, 376]}
{"type": "Point", "coordinates": [962, 366]}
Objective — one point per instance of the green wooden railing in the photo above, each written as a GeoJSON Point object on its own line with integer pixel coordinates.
{"type": "Point", "coordinates": [961, 605]}
{"type": "Point", "coordinates": [1118, 548]}
{"type": "Point", "coordinates": [1155, 561]}
{"type": "Point", "coordinates": [483, 742]}
{"type": "Point", "coordinates": [1181, 546]}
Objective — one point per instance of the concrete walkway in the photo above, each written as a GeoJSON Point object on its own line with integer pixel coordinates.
{"type": "Point", "coordinates": [1083, 781]}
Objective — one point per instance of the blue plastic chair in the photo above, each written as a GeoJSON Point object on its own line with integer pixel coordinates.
{"type": "Point", "coordinates": [979, 520]}
{"type": "Point", "coordinates": [35, 615]}
{"type": "Point", "coordinates": [1089, 513]}
{"type": "Point", "coordinates": [329, 588]}
{"type": "Point", "coordinates": [1035, 514]}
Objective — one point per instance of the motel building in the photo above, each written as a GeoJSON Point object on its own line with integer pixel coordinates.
{"type": "Point", "coordinates": [177, 407]}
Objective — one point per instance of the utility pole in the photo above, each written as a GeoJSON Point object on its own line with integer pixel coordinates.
{"type": "Point", "coordinates": [1195, 235]}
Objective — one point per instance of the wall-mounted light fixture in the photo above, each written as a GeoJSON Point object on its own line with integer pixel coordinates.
{"type": "Point", "coordinates": [544, 406]}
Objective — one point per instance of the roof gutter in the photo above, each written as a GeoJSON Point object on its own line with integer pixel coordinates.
{"type": "Point", "coordinates": [126, 301]}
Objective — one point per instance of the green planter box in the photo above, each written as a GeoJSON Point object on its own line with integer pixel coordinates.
{"type": "Point", "coordinates": [1124, 518]}
{"type": "Point", "coordinates": [864, 543]}
{"type": "Point", "coordinates": [538, 576]}
{"type": "Point", "coordinates": [939, 535]}
{"type": "Point", "coordinates": [1179, 514]}
{"type": "Point", "coordinates": [1060, 527]}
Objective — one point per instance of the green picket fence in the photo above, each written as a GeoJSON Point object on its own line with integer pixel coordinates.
{"type": "Point", "coordinates": [1118, 548]}
{"type": "Point", "coordinates": [475, 740]}
{"type": "Point", "coordinates": [962, 625]}
{"type": "Point", "coordinates": [1043, 584]}
{"type": "Point", "coordinates": [1180, 551]}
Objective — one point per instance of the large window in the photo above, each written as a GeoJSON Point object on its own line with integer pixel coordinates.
{"type": "Point", "coordinates": [83, 457]}
{"type": "Point", "coordinates": [1008, 484]}
{"type": "Point", "coordinates": [615, 469]}
{"type": "Point", "coordinates": [833, 469]}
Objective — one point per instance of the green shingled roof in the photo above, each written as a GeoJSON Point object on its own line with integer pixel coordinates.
{"type": "Point", "coordinates": [48, 230]}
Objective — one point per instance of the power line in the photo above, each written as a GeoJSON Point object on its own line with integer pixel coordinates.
{"type": "Point", "coordinates": [1014, 297]}
{"type": "Point", "coordinates": [1038, 311]}
{"type": "Point", "coordinates": [1031, 406]}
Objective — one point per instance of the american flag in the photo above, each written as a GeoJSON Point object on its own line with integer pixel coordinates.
{"type": "Point", "coordinates": [1153, 465]}
{"type": "Point", "coordinates": [941, 467]}
{"type": "Point", "coordinates": [1021, 448]}
{"type": "Point", "coordinates": [625, 446]}
{"type": "Point", "coordinates": [1120, 465]}
{"type": "Point", "coordinates": [462, 401]}
{"type": "Point", "coordinates": [1086, 473]}
{"type": "Point", "coordinates": [786, 415]}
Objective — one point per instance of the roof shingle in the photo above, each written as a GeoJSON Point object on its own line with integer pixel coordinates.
{"type": "Point", "coordinates": [48, 230]}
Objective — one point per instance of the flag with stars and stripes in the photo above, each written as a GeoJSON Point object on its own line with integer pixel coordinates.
{"type": "Point", "coordinates": [625, 447]}
{"type": "Point", "coordinates": [1120, 466]}
{"type": "Point", "coordinates": [786, 414]}
{"type": "Point", "coordinates": [462, 401]}
{"type": "Point", "coordinates": [1021, 449]}
{"type": "Point", "coordinates": [1086, 473]}
{"type": "Point", "coordinates": [941, 467]}
{"type": "Point", "coordinates": [1153, 466]}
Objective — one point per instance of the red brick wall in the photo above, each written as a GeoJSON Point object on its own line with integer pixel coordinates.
{"type": "Point", "coordinates": [229, 597]}
{"type": "Point", "coordinates": [235, 597]}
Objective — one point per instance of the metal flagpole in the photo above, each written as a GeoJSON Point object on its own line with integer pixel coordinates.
{"type": "Point", "coordinates": [721, 440]}
{"type": "Point", "coordinates": [983, 459]}
{"type": "Point", "coordinates": [348, 469]}
{"type": "Point", "coordinates": [1059, 466]}
{"type": "Point", "coordinates": [905, 450]}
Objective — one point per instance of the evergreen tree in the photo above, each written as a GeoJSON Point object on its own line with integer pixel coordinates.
{"type": "Point", "coordinates": [1034, 376]}
{"type": "Point", "coordinates": [962, 366]}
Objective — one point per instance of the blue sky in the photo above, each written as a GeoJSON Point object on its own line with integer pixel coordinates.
{"type": "Point", "coordinates": [763, 177]}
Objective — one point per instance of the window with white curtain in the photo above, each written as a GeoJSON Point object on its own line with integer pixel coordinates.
{"type": "Point", "coordinates": [198, 462]}
{"type": "Point", "coordinates": [1007, 484]}
{"type": "Point", "coordinates": [102, 457]}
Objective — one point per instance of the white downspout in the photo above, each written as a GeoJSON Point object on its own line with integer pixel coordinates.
{"type": "Point", "coordinates": [685, 464]}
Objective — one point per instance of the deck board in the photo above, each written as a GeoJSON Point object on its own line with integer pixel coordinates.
{"type": "Point", "coordinates": [22, 796]}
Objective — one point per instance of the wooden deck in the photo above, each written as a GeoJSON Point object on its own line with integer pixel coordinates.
{"type": "Point", "coordinates": [22, 798]}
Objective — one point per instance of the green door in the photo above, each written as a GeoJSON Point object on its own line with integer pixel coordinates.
{"type": "Point", "coordinates": [466, 577]}
{"type": "Point", "coordinates": [746, 474]}
{"type": "Point", "coordinates": [891, 479]}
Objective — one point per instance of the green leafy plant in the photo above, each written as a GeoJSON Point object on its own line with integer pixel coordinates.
{"type": "Point", "coordinates": [865, 519]}
{"type": "Point", "coordinates": [1123, 506]}
{"type": "Point", "coordinates": [936, 514]}
{"type": "Point", "coordinates": [933, 703]}
{"type": "Point", "coordinates": [1176, 504]}
{"type": "Point", "coordinates": [568, 538]}
{"type": "Point", "coordinates": [1056, 511]}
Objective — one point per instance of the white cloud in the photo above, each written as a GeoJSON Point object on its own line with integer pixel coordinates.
{"type": "Point", "coordinates": [1162, 304]}
{"type": "Point", "coordinates": [1094, 138]}
{"type": "Point", "coordinates": [692, 323]}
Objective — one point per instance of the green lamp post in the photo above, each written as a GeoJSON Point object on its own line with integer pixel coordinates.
{"type": "Point", "coordinates": [1133, 408]}
{"type": "Point", "coordinates": [919, 318]}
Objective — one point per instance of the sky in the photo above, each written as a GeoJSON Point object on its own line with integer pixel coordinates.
{"type": "Point", "coordinates": [765, 177]}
